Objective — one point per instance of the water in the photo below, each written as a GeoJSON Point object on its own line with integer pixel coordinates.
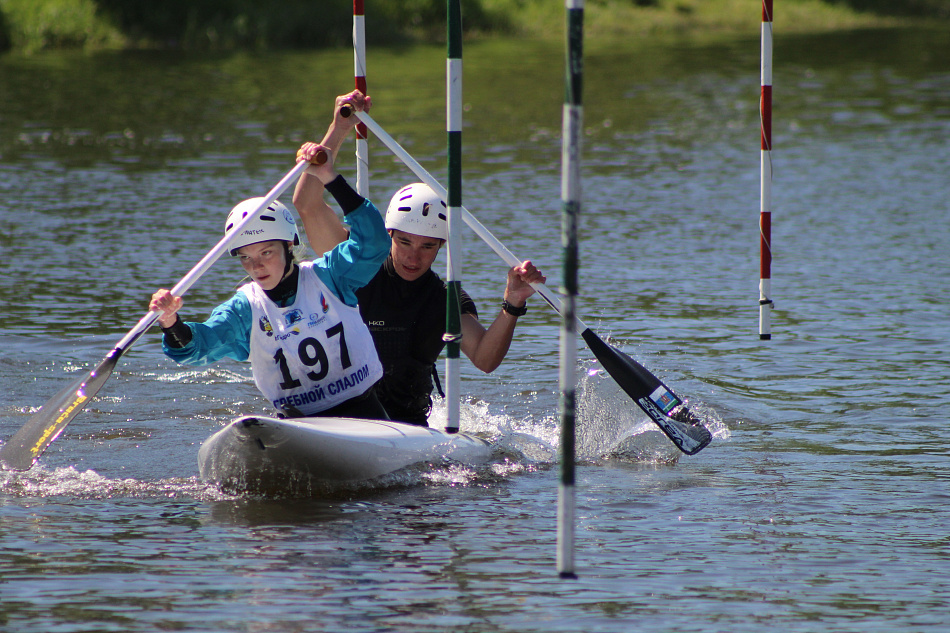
{"type": "Point", "coordinates": [821, 504]}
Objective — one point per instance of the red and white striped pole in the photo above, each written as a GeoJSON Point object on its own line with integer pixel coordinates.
{"type": "Point", "coordinates": [359, 60]}
{"type": "Point", "coordinates": [765, 210]}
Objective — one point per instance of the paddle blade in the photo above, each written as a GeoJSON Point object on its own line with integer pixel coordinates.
{"type": "Point", "coordinates": [23, 449]}
{"type": "Point", "coordinates": [656, 399]}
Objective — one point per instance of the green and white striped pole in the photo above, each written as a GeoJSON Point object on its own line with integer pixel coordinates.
{"type": "Point", "coordinates": [453, 320]}
{"type": "Point", "coordinates": [571, 208]}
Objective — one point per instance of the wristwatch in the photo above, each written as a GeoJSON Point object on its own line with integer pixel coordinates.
{"type": "Point", "coordinates": [512, 310]}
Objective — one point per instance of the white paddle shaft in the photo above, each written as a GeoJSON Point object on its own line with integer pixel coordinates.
{"type": "Point", "coordinates": [500, 249]}
{"type": "Point", "coordinates": [206, 262]}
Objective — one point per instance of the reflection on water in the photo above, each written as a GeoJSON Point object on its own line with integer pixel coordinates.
{"type": "Point", "coordinates": [819, 503]}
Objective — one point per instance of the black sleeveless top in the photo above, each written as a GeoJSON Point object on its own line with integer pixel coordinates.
{"type": "Point", "coordinates": [407, 320]}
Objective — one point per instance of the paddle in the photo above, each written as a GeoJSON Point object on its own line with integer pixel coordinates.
{"type": "Point", "coordinates": [656, 399]}
{"type": "Point", "coordinates": [22, 450]}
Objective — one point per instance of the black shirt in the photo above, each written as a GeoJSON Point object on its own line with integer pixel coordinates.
{"type": "Point", "coordinates": [407, 320]}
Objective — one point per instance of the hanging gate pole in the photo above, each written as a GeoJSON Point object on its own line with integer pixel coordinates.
{"type": "Point", "coordinates": [359, 73]}
{"type": "Point", "coordinates": [453, 122]}
{"type": "Point", "coordinates": [571, 207]}
{"type": "Point", "coordinates": [765, 211]}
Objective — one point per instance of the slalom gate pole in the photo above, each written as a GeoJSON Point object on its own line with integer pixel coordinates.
{"type": "Point", "coordinates": [571, 207]}
{"type": "Point", "coordinates": [359, 73]}
{"type": "Point", "coordinates": [765, 207]}
{"type": "Point", "coordinates": [453, 119]}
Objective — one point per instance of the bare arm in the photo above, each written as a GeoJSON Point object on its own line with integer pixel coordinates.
{"type": "Point", "coordinates": [323, 227]}
{"type": "Point", "coordinates": [487, 348]}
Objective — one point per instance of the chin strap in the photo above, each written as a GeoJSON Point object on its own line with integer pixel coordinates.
{"type": "Point", "coordinates": [288, 258]}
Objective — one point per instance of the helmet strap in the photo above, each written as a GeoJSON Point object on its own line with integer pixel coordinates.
{"type": "Point", "coordinates": [288, 258]}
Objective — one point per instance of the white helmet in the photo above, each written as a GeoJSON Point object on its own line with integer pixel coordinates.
{"type": "Point", "coordinates": [418, 210]}
{"type": "Point", "coordinates": [275, 222]}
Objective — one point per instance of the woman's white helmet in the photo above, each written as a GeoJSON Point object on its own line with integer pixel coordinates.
{"type": "Point", "coordinates": [275, 222]}
{"type": "Point", "coordinates": [418, 210]}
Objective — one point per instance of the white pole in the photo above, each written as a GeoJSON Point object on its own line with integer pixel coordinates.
{"type": "Point", "coordinates": [453, 121]}
{"type": "Point", "coordinates": [765, 207]}
{"type": "Point", "coordinates": [359, 73]}
{"type": "Point", "coordinates": [571, 206]}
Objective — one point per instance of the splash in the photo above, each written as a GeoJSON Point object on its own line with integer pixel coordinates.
{"type": "Point", "coordinates": [611, 426]}
{"type": "Point", "coordinates": [88, 484]}
{"type": "Point", "coordinates": [210, 376]}
{"type": "Point", "coordinates": [527, 440]}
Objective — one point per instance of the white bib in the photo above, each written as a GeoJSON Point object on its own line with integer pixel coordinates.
{"type": "Point", "coordinates": [313, 354]}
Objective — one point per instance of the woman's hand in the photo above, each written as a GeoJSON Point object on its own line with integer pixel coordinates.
{"type": "Point", "coordinates": [320, 158]}
{"type": "Point", "coordinates": [355, 100]}
{"type": "Point", "coordinates": [168, 304]}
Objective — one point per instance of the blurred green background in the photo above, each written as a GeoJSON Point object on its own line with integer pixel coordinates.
{"type": "Point", "coordinates": [32, 25]}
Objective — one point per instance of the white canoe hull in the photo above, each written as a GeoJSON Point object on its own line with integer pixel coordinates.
{"type": "Point", "coordinates": [272, 455]}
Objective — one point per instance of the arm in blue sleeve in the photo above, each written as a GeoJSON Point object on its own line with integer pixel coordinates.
{"type": "Point", "coordinates": [227, 333]}
{"type": "Point", "coordinates": [354, 262]}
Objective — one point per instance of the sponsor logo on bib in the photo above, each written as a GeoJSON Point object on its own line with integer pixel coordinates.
{"type": "Point", "coordinates": [265, 326]}
{"type": "Point", "coordinates": [293, 316]}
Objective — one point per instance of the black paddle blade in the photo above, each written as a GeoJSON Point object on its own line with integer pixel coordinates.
{"type": "Point", "coordinates": [23, 449]}
{"type": "Point", "coordinates": [656, 399]}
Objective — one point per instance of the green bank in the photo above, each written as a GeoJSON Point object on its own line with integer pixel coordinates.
{"type": "Point", "coordinates": [34, 25]}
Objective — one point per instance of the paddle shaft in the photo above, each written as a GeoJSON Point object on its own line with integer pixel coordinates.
{"type": "Point", "coordinates": [500, 249]}
{"type": "Point", "coordinates": [651, 395]}
{"type": "Point", "coordinates": [25, 447]}
{"type": "Point", "coordinates": [208, 260]}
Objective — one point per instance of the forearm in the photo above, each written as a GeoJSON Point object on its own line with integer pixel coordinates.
{"type": "Point", "coordinates": [226, 333]}
{"type": "Point", "coordinates": [352, 263]}
{"type": "Point", "coordinates": [487, 348]}
{"type": "Point", "coordinates": [177, 335]}
{"type": "Point", "coordinates": [344, 195]}
{"type": "Point", "coordinates": [321, 224]}
{"type": "Point", "coordinates": [323, 228]}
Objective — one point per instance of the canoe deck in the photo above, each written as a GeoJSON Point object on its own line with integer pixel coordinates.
{"type": "Point", "coordinates": [273, 455]}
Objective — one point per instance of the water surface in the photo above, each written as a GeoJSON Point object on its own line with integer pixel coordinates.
{"type": "Point", "coordinates": [821, 503]}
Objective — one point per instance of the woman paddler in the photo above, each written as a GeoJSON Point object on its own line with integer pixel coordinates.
{"type": "Point", "coordinates": [299, 324]}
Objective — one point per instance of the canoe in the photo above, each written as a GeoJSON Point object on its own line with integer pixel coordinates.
{"type": "Point", "coordinates": [272, 455]}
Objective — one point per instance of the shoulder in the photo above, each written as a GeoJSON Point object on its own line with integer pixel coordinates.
{"type": "Point", "coordinates": [467, 304]}
{"type": "Point", "coordinates": [465, 300]}
{"type": "Point", "coordinates": [239, 302]}
{"type": "Point", "coordinates": [236, 310]}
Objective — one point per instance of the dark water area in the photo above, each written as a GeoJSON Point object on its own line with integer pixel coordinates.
{"type": "Point", "coordinates": [821, 504]}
